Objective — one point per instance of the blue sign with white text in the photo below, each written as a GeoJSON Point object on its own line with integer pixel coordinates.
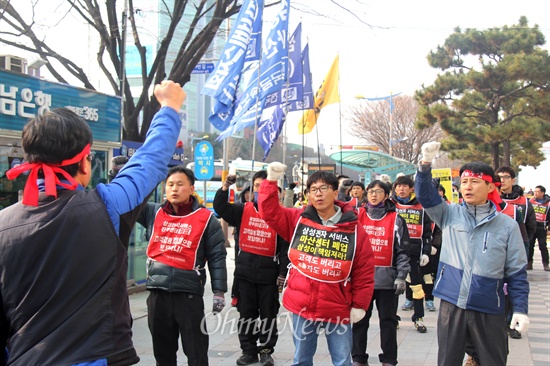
{"type": "Point", "coordinates": [203, 68]}
{"type": "Point", "coordinates": [23, 97]}
{"type": "Point", "coordinates": [204, 161]}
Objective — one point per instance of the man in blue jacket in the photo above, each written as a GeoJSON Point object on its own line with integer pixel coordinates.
{"type": "Point", "coordinates": [62, 262]}
{"type": "Point", "coordinates": [482, 249]}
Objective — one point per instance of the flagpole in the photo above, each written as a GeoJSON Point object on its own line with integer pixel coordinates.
{"type": "Point", "coordinates": [390, 150]}
{"type": "Point", "coordinates": [340, 117]}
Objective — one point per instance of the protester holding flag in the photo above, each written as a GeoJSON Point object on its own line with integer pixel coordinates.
{"type": "Point", "coordinates": [330, 283]}
{"type": "Point", "coordinates": [260, 267]}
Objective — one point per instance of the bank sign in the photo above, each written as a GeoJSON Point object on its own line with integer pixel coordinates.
{"type": "Point", "coordinates": [23, 97]}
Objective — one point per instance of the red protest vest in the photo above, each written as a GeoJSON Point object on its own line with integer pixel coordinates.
{"type": "Point", "coordinates": [255, 236]}
{"type": "Point", "coordinates": [541, 209]}
{"type": "Point", "coordinates": [175, 239]}
{"type": "Point", "coordinates": [324, 253]}
{"type": "Point", "coordinates": [381, 235]}
{"type": "Point", "coordinates": [414, 217]}
{"type": "Point", "coordinates": [509, 210]}
{"type": "Point", "coordinates": [519, 201]}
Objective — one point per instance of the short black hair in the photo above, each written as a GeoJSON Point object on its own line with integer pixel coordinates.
{"type": "Point", "coordinates": [441, 188]}
{"type": "Point", "coordinates": [340, 176]}
{"type": "Point", "coordinates": [117, 163]}
{"type": "Point", "coordinates": [262, 174]}
{"type": "Point", "coordinates": [54, 136]}
{"type": "Point", "coordinates": [385, 186]}
{"type": "Point", "coordinates": [403, 180]}
{"type": "Point", "coordinates": [542, 189]}
{"type": "Point", "coordinates": [479, 167]}
{"type": "Point", "coordinates": [323, 176]}
{"type": "Point", "coordinates": [505, 169]}
{"type": "Point", "coordinates": [355, 184]}
{"type": "Point", "coordinates": [181, 169]}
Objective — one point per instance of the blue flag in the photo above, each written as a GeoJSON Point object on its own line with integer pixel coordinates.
{"type": "Point", "coordinates": [292, 87]}
{"type": "Point", "coordinates": [272, 75]}
{"type": "Point", "coordinates": [270, 128]}
{"type": "Point", "coordinates": [242, 45]}
{"type": "Point", "coordinates": [306, 102]}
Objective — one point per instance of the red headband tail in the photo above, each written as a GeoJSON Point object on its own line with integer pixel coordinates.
{"type": "Point", "coordinates": [30, 193]}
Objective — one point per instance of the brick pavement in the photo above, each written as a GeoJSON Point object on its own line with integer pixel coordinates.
{"type": "Point", "coordinates": [415, 349]}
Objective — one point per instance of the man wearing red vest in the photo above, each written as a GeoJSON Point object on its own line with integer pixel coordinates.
{"type": "Point", "coordinates": [260, 267]}
{"type": "Point", "coordinates": [389, 238]}
{"type": "Point", "coordinates": [512, 193]}
{"type": "Point", "coordinates": [331, 279]}
{"type": "Point", "coordinates": [183, 238]}
{"type": "Point", "coordinates": [541, 206]}
{"type": "Point", "coordinates": [420, 232]}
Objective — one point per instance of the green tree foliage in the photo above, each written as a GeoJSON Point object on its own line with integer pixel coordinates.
{"type": "Point", "coordinates": [492, 98]}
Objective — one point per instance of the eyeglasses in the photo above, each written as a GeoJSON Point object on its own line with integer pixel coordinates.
{"type": "Point", "coordinates": [373, 192]}
{"type": "Point", "coordinates": [505, 177]}
{"type": "Point", "coordinates": [323, 189]}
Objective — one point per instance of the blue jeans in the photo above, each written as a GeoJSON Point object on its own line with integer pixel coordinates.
{"type": "Point", "coordinates": [305, 334]}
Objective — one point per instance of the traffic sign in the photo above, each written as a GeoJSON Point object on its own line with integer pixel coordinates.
{"type": "Point", "coordinates": [204, 161]}
{"type": "Point", "coordinates": [203, 68]}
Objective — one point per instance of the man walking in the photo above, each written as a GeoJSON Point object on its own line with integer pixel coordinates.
{"type": "Point", "coordinates": [482, 248]}
{"type": "Point", "coordinates": [541, 206]}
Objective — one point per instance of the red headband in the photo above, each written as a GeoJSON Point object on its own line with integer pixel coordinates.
{"type": "Point", "coordinates": [30, 194]}
{"type": "Point", "coordinates": [493, 196]}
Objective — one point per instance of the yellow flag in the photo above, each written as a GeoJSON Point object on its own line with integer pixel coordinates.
{"type": "Point", "coordinates": [327, 94]}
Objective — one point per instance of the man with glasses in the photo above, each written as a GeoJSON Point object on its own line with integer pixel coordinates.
{"type": "Point", "coordinates": [331, 278]}
{"type": "Point", "coordinates": [64, 262]}
{"type": "Point", "coordinates": [513, 194]}
{"type": "Point", "coordinates": [389, 239]}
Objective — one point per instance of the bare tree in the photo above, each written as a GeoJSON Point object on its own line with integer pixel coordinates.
{"type": "Point", "coordinates": [370, 121]}
{"type": "Point", "coordinates": [203, 19]}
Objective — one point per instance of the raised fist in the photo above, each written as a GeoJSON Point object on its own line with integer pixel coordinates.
{"type": "Point", "coordinates": [430, 150]}
{"type": "Point", "coordinates": [275, 170]}
{"type": "Point", "coordinates": [229, 181]}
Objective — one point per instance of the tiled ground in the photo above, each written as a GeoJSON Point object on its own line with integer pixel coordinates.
{"type": "Point", "coordinates": [415, 349]}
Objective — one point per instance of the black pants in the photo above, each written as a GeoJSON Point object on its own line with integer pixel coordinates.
{"type": "Point", "coordinates": [484, 333]}
{"type": "Point", "coordinates": [540, 236]}
{"type": "Point", "coordinates": [386, 305]}
{"type": "Point", "coordinates": [172, 314]}
{"type": "Point", "coordinates": [416, 276]}
{"type": "Point", "coordinates": [257, 301]}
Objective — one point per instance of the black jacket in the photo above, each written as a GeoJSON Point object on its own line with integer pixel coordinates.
{"type": "Point", "coordinates": [528, 212]}
{"type": "Point", "coordinates": [418, 247]}
{"type": "Point", "coordinates": [211, 250]}
{"type": "Point", "coordinates": [252, 267]}
{"type": "Point", "coordinates": [69, 242]}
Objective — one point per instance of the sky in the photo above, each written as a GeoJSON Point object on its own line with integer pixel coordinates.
{"type": "Point", "coordinates": [382, 45]}
{"type": "Point", "coordinates": [389, 54]}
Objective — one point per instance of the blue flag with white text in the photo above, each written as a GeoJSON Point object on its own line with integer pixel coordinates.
{"type": "Point", "coordinates": [272, 72]}
{"type": "Point", "coordinates": [242, 45]}
{"type": "Point", "coordinates": [292, 88]}
{"type": "Point", "coordinates": [269, 127]}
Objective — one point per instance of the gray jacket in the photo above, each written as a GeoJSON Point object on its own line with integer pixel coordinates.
{"type": "Point", "coordinates": [384, 277]}
{"type": "Point", "coordinates": [477, 258]}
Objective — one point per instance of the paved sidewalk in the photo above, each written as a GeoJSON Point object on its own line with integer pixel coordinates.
{"type": "Point", "coordinates": [415, 349]}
